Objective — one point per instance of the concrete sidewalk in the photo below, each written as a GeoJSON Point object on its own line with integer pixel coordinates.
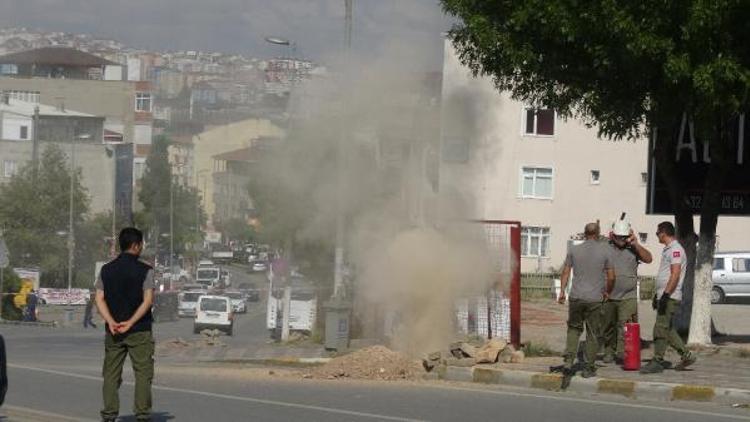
{"type": "Point", "coordinates": [721, 374]}
{"type": "Point", "coordinates": [641, 390]}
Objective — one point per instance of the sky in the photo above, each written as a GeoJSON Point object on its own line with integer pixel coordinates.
{"type": "Point", "coordinates": [317, 26]}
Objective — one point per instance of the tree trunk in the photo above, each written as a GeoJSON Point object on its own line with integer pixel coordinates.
{"type": "Point", "coordinates": [700, 325]}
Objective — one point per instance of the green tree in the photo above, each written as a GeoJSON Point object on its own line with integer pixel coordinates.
{"type": "Point", "coordinates": [34, 215]}
{"type": "Point", "coordinates": [627, 68]}
{"type": "Point", "coordinates": [155, 197]}
{"type": "Point", "coordinates": [238, 229]}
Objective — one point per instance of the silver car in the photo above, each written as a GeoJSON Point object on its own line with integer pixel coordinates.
{"type": "Point", "coordinates": [731, 276]}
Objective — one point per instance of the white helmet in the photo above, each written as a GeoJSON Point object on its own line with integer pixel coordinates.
{"type": "Point", "coordinates": [621, 228]}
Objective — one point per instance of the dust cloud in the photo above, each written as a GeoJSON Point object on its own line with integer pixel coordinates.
{"type": "Point", "coordinates": [408, 267]}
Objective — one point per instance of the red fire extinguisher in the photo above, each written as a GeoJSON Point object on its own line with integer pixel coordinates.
{"type": "Point", "coordinates": [632, 354]}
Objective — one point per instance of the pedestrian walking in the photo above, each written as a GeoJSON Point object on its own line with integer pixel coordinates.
{"type": "Point", "coordinates": [88, 312]}
{"type": "Point", "coordinates": [124, 296]}
{"type": "Point", "coordinates": [622, 306]}
{"type": "Point", "coordinates": [667, 300]}
{"type": "Point", "coordinates": [593, 277]}
{"type": "Point", "coordinates": [31, 302]}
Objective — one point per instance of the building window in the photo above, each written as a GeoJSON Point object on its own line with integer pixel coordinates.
{"type": "Point", "coordinates": [28, 96]}
{"type": "Point", "coordinates": [143, 102]}
{"type": "Point", "coordinates": [536, 182]}
{"type": "Point", "coordinates": [644, 178]}
{"type": "Point", "coordinates": [594, 177]}
{"type": "Point", "coordinates": [643, 237]}
{"type": "Point", "coordinates": [24, 132]}
{"type": "Point", "coordinates": [9, 168]}
{"type": "Point", "coordinates": [539, 121]}
{"type": "Point", "coordinates": [535, 241]}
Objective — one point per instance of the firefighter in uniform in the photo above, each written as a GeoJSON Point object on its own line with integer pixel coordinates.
{"type": "Point", "coordinates": [667, 300]}
{"type": "Point", "coordinates": [590, 262]}
{"type": "Point", "coordinates": [622, 306]}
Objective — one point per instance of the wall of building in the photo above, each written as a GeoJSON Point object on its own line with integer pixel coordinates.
{"type": "Point", "coordinates": [113, 100]}
{"type": "Point", "coordinates": [11, 127]}
{"type": "Point", "coordinates": [220, 139]}
{"type": "Point", "coordinates": [96, 167]}
{"type": "Point", "coordinates": [484, 149]}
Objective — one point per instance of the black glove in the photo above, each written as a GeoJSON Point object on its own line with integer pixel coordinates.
{"type": "Point", "coordinates": [654, 303]}
{"type": "Point", "coordinates": [663, 303]}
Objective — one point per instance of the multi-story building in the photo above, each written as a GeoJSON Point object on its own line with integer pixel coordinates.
{"type": "Point", "coordinates": [231, 174]}
{"type": "Point", "coordinates": [505, 160]}
{"type": "Point", "coordinates": [71, 78]}
{"type": "Point", "coordinates": [27, 129]}
{"type": "Point", "coordinates": [221, 139]}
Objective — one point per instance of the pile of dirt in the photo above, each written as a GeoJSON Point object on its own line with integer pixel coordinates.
{"type": "Point", "coordinates": [372, 363]}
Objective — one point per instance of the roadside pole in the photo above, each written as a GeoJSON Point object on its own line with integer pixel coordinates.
{"type": "Point", "coordinates": [287, 309]}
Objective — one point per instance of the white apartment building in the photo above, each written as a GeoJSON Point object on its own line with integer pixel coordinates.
{"type": "Point", "coordinates": [506, 161]}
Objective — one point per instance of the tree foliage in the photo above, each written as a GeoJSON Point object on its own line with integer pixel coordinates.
{"type": "Point", "coordinates": [154, 194]}
{"type": "Point", "coordinates": [34, 216]}
{"type": "Point", "coordinates": [628, 68]}
{"type": "Point", "coordinates": [622, 66]}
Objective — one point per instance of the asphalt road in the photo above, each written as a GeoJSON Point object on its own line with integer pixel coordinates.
{"type": "Point", "coordinates": [55, 372]}
{"type": "Point", "coordinates": [195, 394]}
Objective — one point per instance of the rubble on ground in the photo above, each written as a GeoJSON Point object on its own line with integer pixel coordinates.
{"type": "Point", "coordinates": [465, 354]}
{"type": "Point", "coordinates": [179, 344]}
{"type": "Point", "coordinates": [372, 363]}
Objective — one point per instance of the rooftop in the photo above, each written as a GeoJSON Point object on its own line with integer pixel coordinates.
{"type": "Point", "coordinates": [25, 108]}
{"type": "Point", "coordinates": [55, 56]}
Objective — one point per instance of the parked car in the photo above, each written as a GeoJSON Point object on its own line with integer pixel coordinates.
{"type": "Point", "coordinates": [214, 312]}
{"type": "Point", "coordinates": [731, 276]}
{"type": "Point", "coordinates": [238, 301]}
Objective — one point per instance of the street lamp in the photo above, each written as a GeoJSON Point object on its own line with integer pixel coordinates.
{"type": "Point", "coordinates": [112, 153]}
{"type": "Point", "coordinates": [292, 46]}
{"type": "Point", "coordinates": [171, 220]}
{"type": "Point", "coordinates": [71, 234]}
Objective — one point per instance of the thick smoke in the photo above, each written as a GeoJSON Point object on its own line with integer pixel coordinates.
{"type": "Point", "coordinates": [409, 267]}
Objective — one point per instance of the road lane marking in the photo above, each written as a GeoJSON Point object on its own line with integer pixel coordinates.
{"type": "Point", "coordinates": [589, 401]}
{"type": "Point", "coordinates": [228, 397]}
{"type": "Point", "coordinates": [41, 413]}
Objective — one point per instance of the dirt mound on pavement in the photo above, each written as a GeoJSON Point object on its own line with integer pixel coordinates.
{"type": "Point", "coordinates": [374, 363]}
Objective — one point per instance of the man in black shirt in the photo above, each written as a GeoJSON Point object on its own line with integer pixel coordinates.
{"type": "Point", "coordinates": [124, 295]}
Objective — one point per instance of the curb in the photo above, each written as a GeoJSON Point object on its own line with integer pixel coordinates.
{"type": "Point", "coordinates": [642, 390]}
{"type": "Point", "coordinates": [30, 323]}
{"type": "Point", "coordinates": [280, 361]}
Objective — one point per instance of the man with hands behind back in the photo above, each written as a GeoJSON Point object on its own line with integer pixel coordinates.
{"type": "Point", "coordinates": [124, 296]}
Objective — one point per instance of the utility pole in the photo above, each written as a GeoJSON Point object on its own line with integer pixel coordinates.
{"type": "Point", "coordinates": [171, 226]}
{"type": "Point", "coordinates": [71, 240]}
{"type": "Point", "coordinates": [338, 274]}
{"type": "Point", "coordinates": [35, 142]}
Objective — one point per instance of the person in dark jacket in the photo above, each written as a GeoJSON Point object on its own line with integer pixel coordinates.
{"type": "Point", "coordinates": [124, 296]}
{"type": "Point", "coordinates": [88, 312]}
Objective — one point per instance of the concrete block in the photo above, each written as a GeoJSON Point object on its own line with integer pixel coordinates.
{"type": "Point", "coordinates": [731, 396]}
{"type": "Point", "coordinates": [619, 387]}
{"type": "Point", "coordinates": [551, 382]}
{"type": "Point", "coordinates": [690, 392]}
{"type": "Point", "coordinates": [488, 375]}
{"type": "Point", "coordinates": [453, 373]}
{"type": "Point", "coordinates": [653, 391]}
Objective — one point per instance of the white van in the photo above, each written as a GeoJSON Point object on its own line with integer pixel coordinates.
{"type": "Point", "coordinates": [731, 276]}
{"type": "Point", "coordinates": [214, 312]}
{"type": "Point", "coordinates": [187, 302]}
